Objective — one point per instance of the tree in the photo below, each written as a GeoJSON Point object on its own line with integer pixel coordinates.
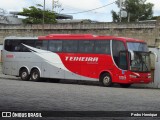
{"type": "Point", "coordinates": [136, 10]}
{"type": "Point", "coordinates": [34, 15]}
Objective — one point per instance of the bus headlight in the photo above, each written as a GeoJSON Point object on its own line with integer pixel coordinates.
{"type": "Point", "coordinates": [133, 76]}
{"type": "Point", "coordinates": [149, 76]}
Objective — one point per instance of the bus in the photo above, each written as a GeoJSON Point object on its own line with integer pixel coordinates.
{"type": "Point", "coordinates": [107, 59]}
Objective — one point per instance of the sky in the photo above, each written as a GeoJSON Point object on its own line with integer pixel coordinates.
{"type": "Point", "coordinates": [75, 6]}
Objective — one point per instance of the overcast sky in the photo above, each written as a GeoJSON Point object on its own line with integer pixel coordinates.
{"type": "Point", "coordinates": [74, 6]}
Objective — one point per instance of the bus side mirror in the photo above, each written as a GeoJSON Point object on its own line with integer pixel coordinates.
{"type": "Point", "coordinates": [132, 54]}
{"type": "Point", "coordinates": [155, 55]}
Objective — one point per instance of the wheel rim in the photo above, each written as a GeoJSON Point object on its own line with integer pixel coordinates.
{"type": "Point", "coordinates": [106, 80]}
{"type": "Point", "coordinates": [24, 74]}
{"type": "Point", "coordinates": [34, 75]}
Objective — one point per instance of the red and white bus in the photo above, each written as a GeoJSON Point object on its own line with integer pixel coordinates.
{"type": "Point", "coordinates": [107, 59]}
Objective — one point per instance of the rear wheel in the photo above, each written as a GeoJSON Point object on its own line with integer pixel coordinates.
{"type": "Point", "coordinates": [24, 74]}
{"type": "Point", "coordinates": [125, 85]}
{"type": "Point", "coordinates": [106, 80]}
{"type": "Point", "coordinates": [35, 75]}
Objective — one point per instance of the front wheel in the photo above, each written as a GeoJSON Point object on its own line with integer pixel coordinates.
{"type": "Point", "coordinates": [35, 75]}
{"type": "Point", "coordinates": [106, 80]}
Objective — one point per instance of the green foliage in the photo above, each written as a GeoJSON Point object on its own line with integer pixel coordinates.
{"type": "Point", "coordinates": [115, 16]}
{"type": "Point", "coordinates": [136, 10]}
{"type": "Point", "coordinates": [155, 18]}
{"type": "Point", "coordinates": [34, 15]}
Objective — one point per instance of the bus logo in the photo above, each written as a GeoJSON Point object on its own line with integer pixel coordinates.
{"type": "Point", "coordinates": [86, 59]}
{"type": "Point", "coordinates": [9, 56]}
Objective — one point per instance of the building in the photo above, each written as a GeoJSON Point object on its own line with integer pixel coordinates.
{"type": "Point", "coordinates": [9, 19]}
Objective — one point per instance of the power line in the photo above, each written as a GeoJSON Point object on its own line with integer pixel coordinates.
{"type": "Point", "coordinates": [92, 9]}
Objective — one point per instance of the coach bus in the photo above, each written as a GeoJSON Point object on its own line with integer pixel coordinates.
{"type": "Point", "coordinates": [107, 59]}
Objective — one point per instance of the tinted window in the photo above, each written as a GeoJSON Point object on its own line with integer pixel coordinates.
{"type": "Point", "coordinates": [42, 45]}
{"type": "Point", "coordinates": [137, 46]}
{"type": "Point", "coordinates": [117, 46]}
{"type": "Point", "coordinates": [26, 42]}
{"type": "Point", "coordinates": [70, 46]}
{"type": "Point", "coordinates": [86, 46]}
{"type": "Point", "coordinates": [123, 60]}
{"type": "Point", "coordinates": [55, 46]}
{"type": "Point", "coordinates": [102, 47]}
{"type": "Point", "coordinates": [17, 45]}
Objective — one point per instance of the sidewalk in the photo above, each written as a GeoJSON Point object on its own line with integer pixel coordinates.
{"type": "Point", "coordinates": [5, 76]}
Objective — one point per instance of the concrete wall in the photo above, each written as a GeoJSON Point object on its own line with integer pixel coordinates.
{"type": "Point", "coordinates": [150, 32]}
{"type": "Point", "coordinates": [0, 52]}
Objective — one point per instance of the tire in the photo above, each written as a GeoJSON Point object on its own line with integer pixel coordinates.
{"type": "Point", "coordinates": [24, 74]}
{"type": "Point", "coordinates": [35, 75]}
{"type": "Point", "coordinates": [106, 80]}
{"type": "Point", "coordinates": [125, 85]}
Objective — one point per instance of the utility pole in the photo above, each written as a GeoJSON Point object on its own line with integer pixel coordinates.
{"type": "Point", "coordinates": [43, 11]}
{"type": "Point", "coordinates": [43, 15]}
{"type": "Point", "coordinates": [56, 6]}
{"type": "Point", "coordinates": [120, 14]}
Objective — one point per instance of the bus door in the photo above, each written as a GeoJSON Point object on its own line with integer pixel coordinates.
{"type": "Point", "coordinates": [119, 60]}
{"type": "Point", "coordinates": [123, 65]}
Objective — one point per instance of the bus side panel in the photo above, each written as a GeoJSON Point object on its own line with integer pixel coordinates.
{"type": "Point", "coordinates": [50, 71]}
{"type": "Point", "coordinates": [73, 75]}
{"type": "Point", "coordinates": [15, 68]}
{"type": "Point", "coordinates": [7, 68]}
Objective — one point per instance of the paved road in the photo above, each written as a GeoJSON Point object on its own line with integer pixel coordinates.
{"type": "Point", "coordinates": [43, 96]}
{"type": "Point", "coordinates": [27, 95]}
{"type": "Point", "coordinates": [74, 96]}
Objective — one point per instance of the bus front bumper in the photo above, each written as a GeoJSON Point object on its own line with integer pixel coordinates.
{"type": "Point", "coordinates": [142, 78]}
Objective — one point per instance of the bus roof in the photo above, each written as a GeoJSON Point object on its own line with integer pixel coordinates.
{"type": "Point", "coordinates": [77, 37]}
{"type": "Point", "coordinates": [86, 36]}
{"type": "Point", "coordinates": [15, 37]}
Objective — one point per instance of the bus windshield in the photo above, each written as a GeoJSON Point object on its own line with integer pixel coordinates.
{"type": "Point", "coordinates": [137, 46]}
{"type": "Point", "coordinates": [141, 62]}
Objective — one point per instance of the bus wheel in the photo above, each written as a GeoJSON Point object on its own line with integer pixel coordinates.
{"type": "Point", "coordinates": [125, 85]}
{"type": "Point", "coordinates": [24, 74]}
{"type": "Point", "coordinates": [35, 75]}
{"type": "Point", "coordinates": [106, 80]}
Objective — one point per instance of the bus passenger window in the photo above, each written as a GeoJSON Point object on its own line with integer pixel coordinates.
{"type": "Point", "coordinates": [8, 45]}
{"type": "Point", "coordinates": [86, 46]}
{"type": "Point", "coordinates": [55, 46]}
{"type": "Point", "coordinates": [70, 46]}
{"type": "Point", "coordinates": [42, 45]}
{"type": "Point", "coordinates": [117, 46]}
{"type": "Point", "coordinates": [102, 47]}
